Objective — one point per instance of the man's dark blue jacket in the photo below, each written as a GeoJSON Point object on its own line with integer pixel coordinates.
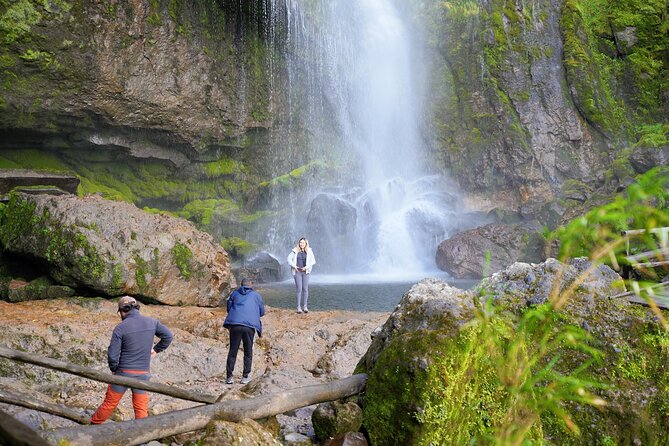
{"type": "Point", "coordinates": [245, 307]}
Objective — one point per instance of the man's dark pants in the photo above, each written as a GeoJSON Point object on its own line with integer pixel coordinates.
{"type": "Point", "coordinates": [240, 333]}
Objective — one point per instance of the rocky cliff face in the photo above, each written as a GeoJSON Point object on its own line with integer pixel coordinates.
{"type": "Point", "coordinates": [158, 82]}
{"type": "Point", "coordinates": [180, 105]}
{"type": "Point", "coordinates": [528, 97]}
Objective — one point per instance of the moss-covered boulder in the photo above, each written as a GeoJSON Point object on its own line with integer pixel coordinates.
{"type": "Point", "coordinates": [334, 418]}
{"type": "Point", "coordinates": [115, 248]}
{"type": "Point", "coordinates": [481, 369]}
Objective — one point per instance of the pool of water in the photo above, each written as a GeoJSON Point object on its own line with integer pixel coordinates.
{"type": "Point", "coordinates": [357, 293]}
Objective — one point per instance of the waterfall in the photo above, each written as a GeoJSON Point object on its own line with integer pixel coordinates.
{"type": "Point", "coordinates": [354, 79]}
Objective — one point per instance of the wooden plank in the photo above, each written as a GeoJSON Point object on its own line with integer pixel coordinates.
{"type": "Point", "coordinates": [658, 292]}
{"type": "Point", "coordinates": [657, 253]}
{"type": "Point", "coordinates": [106, 377]}
{"type": "Point", "coordinates": [661, 303]}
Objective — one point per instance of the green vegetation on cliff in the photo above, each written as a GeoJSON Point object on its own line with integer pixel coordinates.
{"type": "Point", "coordinates": [643, 205]}
{"type": "Point", "coordinates": [616, 60]}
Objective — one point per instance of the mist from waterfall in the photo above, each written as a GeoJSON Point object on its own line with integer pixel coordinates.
{"type": "Point", "coordinates": [387, 214]}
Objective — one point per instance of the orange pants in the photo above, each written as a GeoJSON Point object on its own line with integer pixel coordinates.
{"type": "Point", "coordinates": [140, 398]}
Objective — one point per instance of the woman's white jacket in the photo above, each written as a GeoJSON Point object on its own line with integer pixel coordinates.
{"type": "Point", "coordinates": [292, 260]}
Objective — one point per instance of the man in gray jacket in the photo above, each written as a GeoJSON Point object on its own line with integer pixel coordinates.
{"type": "Point", "coordinates": [129, 354]}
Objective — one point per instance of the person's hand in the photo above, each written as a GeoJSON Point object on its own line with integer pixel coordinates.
{"type": "Point", "coordinates": [153, 353]}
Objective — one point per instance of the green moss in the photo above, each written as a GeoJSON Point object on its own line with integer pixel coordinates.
{"type": "Point", "coordinates": [63, 246]}
{"type": "Point", "coordinates": [221, 167]}
{"type": "Point", "coordinates": [37, 160]}
{"type": "Point", "coordinates": [237, 247]}
{"type": "Point", "coordinates": [141, 270]}
{"type": "Point", "coordinates": [182, 258]}
{"type": "Point", "coordinates": [117, 278]}
{"type": "Point", "coordinates": [17, 20]}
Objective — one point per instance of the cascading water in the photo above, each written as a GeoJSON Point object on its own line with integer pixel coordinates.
{"type": "Point", "coordinates": [387, 214]}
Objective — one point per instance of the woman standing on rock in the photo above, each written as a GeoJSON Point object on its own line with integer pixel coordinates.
{"type": "Point", "coordinates": [301, 259]}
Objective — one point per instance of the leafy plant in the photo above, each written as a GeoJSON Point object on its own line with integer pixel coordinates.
{"type": "Point", "coordinates": [642, 206]}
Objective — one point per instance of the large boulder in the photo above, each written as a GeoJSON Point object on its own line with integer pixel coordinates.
{"type": "Point", "coordinates": [465, 255]}
{"type": "Point", "coordinates": [442, 373]}
{"type": "Point", "coordinates": [262, 267]}
{"type": "Point", "coordinates": [114, 248]}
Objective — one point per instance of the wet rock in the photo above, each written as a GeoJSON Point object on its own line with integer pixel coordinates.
{"type": "Point", "coordinates": [464, 256]}
{"type": "Point", "coordinates": [115, 248]}
{"type": "Point", "coordinates": [331, 220]}
{"type": "Point", "coordinates": [645, 158]}
{"type": "Point", "coordinates": [262, 268]}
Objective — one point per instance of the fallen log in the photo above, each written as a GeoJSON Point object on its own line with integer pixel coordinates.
{"type": "Point", "coordinates": [10, 397]}
{"type": "Point", "coordinates": [106, 377]}
{"type": "Point", "coordinates": [196, 418]}
{"type": "Point", "coordinates": [15, 433]}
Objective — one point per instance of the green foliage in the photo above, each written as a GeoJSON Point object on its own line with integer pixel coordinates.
{"type": "Point", "coordinates": [182, 258]}
{"type": "Point", "coordinates": [505, 377]}
{"type": "Point", "coordinates": [17, 19]}
{"type": "Point", "coordinates": [491, 383]}
{"type": "Point", "coordinates": [237, 247]}
{"type": "Point", "coordinates": [644, 205]}
{"type": "Point", "coordinates": [653, 135]}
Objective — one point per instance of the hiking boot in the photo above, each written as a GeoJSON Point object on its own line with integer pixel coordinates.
{"type": "Point", "coordinates": [229, 380]}
{"type": "Point", "coordinates": [245, 380]}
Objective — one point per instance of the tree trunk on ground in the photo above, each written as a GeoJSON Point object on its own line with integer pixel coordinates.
{"type": "Point", "coordinates": [187, 420]}
{"type": "Point", "coordinates": [106, 377]}
{"type": "Point", "coordinates": [7, 396]}
{"type": "Point", "coordinates": [15, 433]}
